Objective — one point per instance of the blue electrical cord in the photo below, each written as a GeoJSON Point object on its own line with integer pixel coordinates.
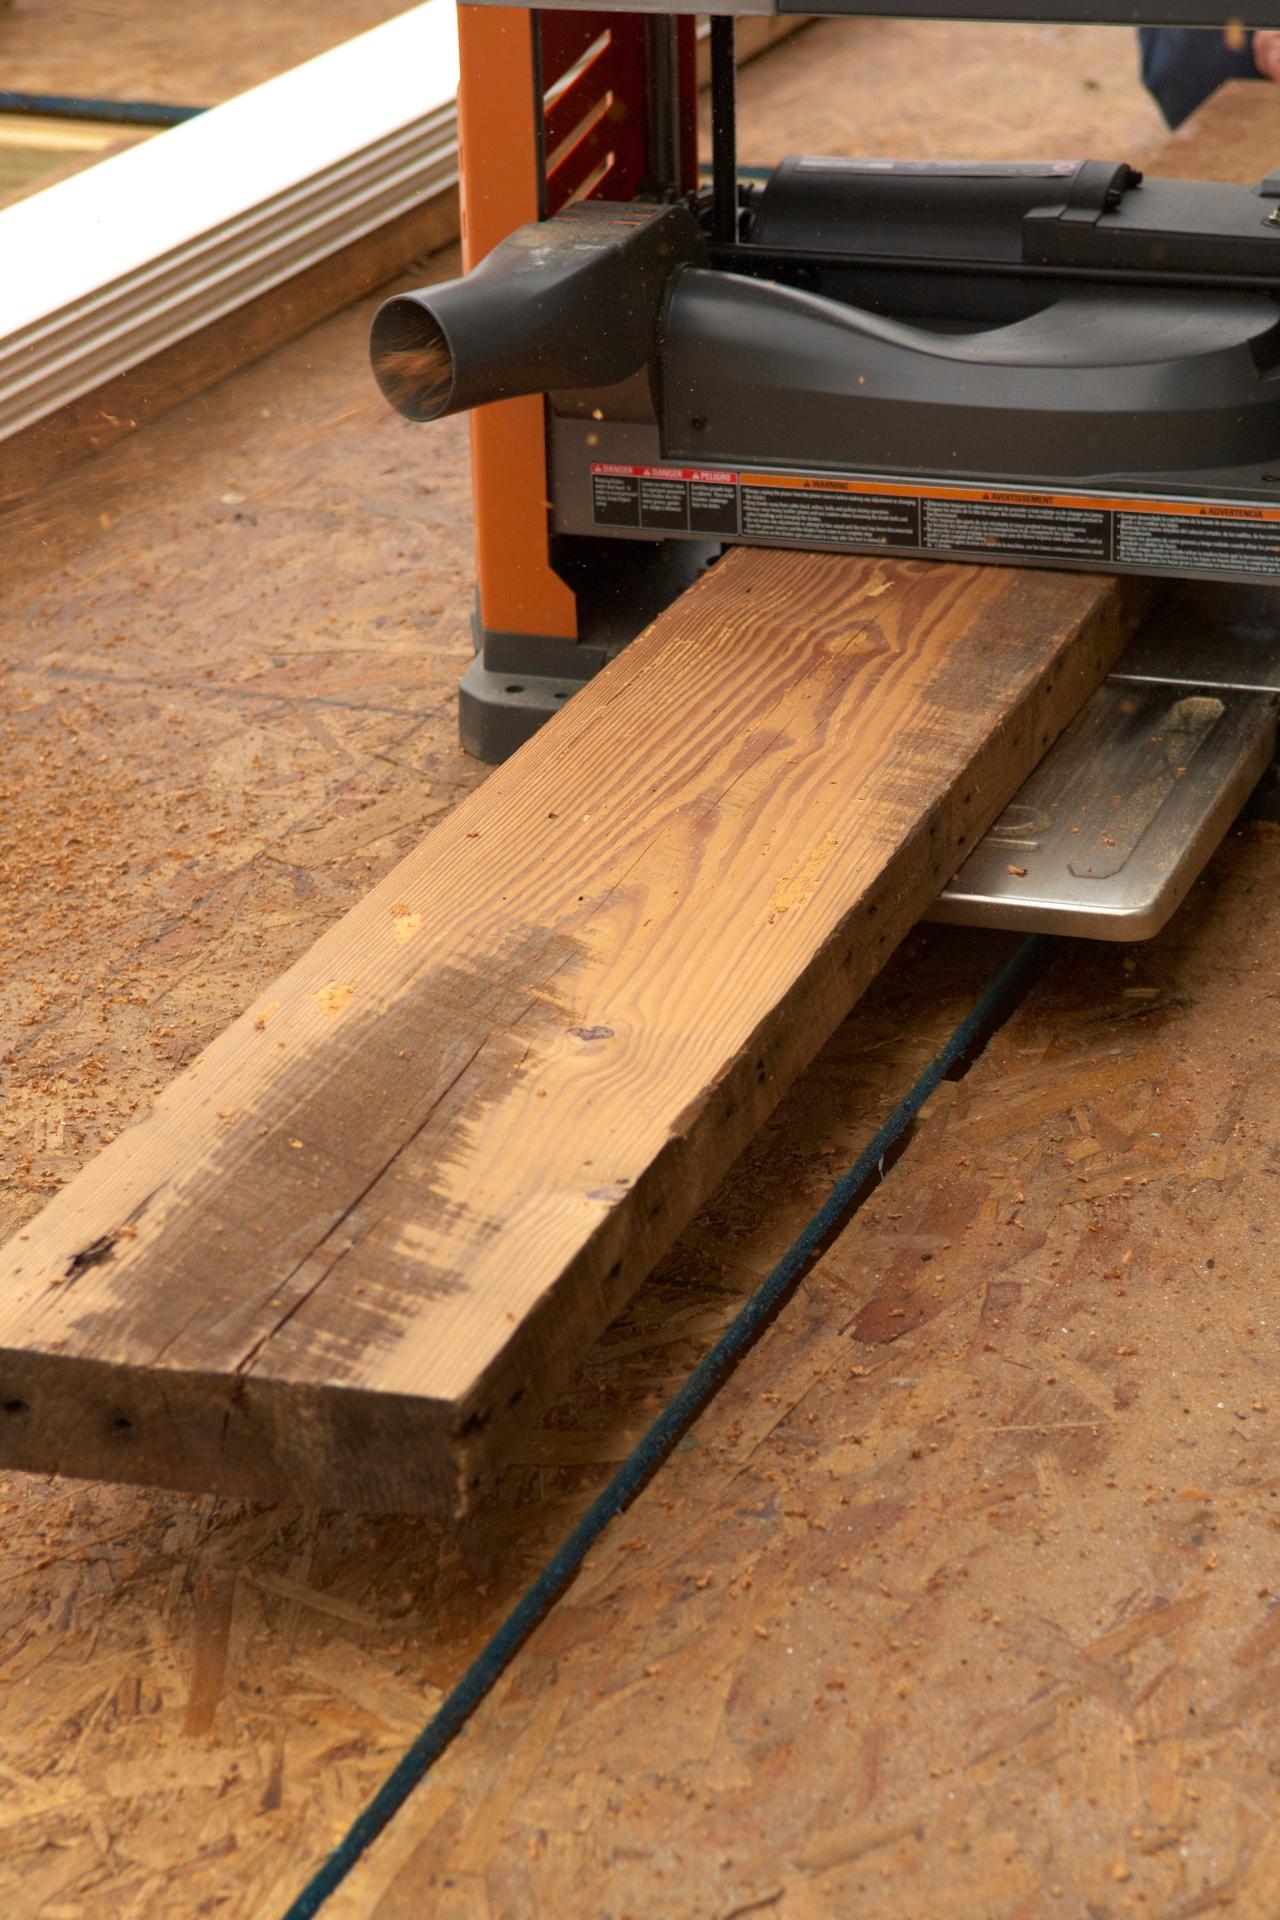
{"type": "Point", "coordinates": [981, 1020]}
{"type": "Point", "coordinates": [67, 106]}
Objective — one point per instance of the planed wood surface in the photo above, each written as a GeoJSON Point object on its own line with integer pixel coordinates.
{"type": "Point", "coordinates": [431, 1162]}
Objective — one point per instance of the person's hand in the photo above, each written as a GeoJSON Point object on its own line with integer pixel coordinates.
{"type": "Point", "coordinates": [1266, 54]}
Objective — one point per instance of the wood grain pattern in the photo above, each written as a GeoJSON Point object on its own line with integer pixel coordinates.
{"type": "Point", "coordinates": [434, 1159]}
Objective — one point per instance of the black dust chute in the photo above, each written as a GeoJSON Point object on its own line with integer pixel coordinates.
{"type": "Point", "coordinates": [570, 302]}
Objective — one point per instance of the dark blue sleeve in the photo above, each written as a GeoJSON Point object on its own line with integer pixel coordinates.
{"type": "Point", "coordinates": [1181, 66]}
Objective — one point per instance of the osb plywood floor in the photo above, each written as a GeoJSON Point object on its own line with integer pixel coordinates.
{"type": "Point", "coordinates": [139, 50]}
{"type": "Point", "coordinates": [926, 89]}
{"type": "Point", "coordinates": [963, 1598]}
{"type": "Point", "coordinates": [231, 644]}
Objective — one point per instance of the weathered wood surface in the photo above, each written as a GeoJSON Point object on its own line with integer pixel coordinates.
{"type": "Point", "coordinates": [961, 1598]}
{"type": "Point", "coordinates": [438, 1155]}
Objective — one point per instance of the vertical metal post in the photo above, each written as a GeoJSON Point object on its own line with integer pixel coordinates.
{"type": "Point", "coordinates": [662, 106]}
{"type": "Point", "coordinates": [539, 123]}
{"type": "Point", "coordinates": [724, 129]}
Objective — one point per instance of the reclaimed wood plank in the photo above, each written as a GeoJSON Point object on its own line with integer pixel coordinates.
{"type": "Point", "coordinates": [395, 1198]}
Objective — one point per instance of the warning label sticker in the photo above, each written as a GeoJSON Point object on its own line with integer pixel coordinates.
{"type": "Point", "coordinates": [671, 499]}
{"type": "Point", "coordinates": [858, 513]}
{"type": "Point", "coordinates": [838, 516]}
{"type": "Point", "coordinates": [1034, 527]}
{"type": "Point", "coordinates": [1223, 541]}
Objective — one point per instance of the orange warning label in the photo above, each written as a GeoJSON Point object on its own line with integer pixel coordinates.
{"type": "Point", "coordinates": [1147, 533]}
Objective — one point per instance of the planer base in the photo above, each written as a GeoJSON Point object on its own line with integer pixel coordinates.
{"type": "Point", "coordinates": [1118, 820]}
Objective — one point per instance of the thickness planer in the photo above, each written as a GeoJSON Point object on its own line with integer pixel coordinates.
{"type": "Point", "coordinates": [1054, 363]}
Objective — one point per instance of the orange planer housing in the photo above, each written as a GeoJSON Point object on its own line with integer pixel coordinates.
{"type": "Point", "coordinates": [553, 107]}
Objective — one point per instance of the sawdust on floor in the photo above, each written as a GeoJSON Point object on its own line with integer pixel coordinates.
{"type": "Point", "coordinates": [230, 650]}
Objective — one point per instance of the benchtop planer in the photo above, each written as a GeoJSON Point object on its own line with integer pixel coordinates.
{"type": "Point", "coordinates": [1043, 362]}
{"type": "Point", "coordinates": [877, 348]}
{"type": "Point", "coordinates": [1054, 363]}
{"type": "Point", "coordinates": [1053, 323]}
